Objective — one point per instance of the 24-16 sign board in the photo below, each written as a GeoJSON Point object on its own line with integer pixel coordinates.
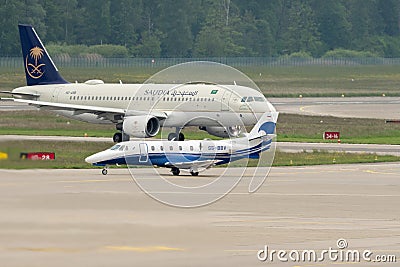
{"type": "Point", "coordinates": [331, 135]}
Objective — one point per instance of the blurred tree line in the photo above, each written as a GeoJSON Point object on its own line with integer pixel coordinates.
{"type": "Point", "coordinates": [205, 28]}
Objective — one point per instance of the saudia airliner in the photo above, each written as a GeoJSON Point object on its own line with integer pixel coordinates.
{"type": "Point", "coordinates": [221, 110]}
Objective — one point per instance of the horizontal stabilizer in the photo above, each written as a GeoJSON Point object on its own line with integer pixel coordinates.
{"type": "Point", "coordinates": [20, 93]}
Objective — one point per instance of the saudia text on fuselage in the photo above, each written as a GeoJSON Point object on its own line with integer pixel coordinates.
{"type": "Point", "coordinates": [174, 92]}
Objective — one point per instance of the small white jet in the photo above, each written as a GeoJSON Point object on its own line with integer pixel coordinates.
{"type": "Point", "coordinates": [208, 106]}
{"type": "Point", "coordinates": [194, 155]}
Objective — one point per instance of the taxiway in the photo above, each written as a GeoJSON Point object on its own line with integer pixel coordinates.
{"type": "Point", "coordinates": [81, 218]}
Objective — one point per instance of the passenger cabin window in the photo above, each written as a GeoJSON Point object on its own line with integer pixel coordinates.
{"type": "Point", "coordinates": [161, 148]}
{"type": "Point", "coordinates": [191, 148]}
{"type": "Point", "coordinates": [180, 148]}
{"type": "Point", "coordinates": [171, 148]}
{"type": "Point", "coordinates": [153, 148]}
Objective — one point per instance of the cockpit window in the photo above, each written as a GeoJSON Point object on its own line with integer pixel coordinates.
{"type": "Point", "coordinates": [122, 148]}
{"type": "Point", "coordinates": [252, 99]}
{"type": "Point", "coordinates": [115, 147]}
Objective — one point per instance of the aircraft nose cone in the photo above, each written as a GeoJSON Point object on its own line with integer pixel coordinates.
{"type": "Point", "coordinates": [92, 159]}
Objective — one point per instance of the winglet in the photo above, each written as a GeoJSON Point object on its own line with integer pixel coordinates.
{"type": "Point", "coordinates": [39, 67]}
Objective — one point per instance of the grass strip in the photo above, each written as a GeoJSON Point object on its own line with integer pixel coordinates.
{"type": "Point", "coordinates": [290, 128]}
{"type": "Point", "coordinates": [71, 155]}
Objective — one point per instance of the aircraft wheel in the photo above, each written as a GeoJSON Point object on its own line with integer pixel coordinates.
{"type": "Point", "coordinates": [171, 136]}
{"type": "Point", "coordinates": [181, 137]}
{"type": "Point", "coordinates": [194, 173]}
{"type": "Point", "coordinates": [117, 138]}
{"type": "Point", "coordinates": [104, 171]}
{"type": "Point", "coordinates": [125, 137]}
{"type": "Point", "coordinates": [175, 171]}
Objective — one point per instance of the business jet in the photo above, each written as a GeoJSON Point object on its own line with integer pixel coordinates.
{"type": "Point", "coordinates": [136, 110]}
{"type": "Point", "coordinates": [194, 155]}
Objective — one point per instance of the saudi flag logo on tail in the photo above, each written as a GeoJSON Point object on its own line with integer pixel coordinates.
{"type": "Point", "coordinates": [213, 92]}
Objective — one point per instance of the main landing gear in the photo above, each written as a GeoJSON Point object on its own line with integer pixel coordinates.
{"type": "Point", "coordinates": [120, 136]}
{"type": "Point", "coordinates": [175, 171]}
{"type": "Point", "coordinates": [117, 138]}
{"type": "Point", "coordinates": [104, 171]}
{"type": "Point", "coordinates": [193, 173]}
{"type": "Point", "coordinates": [173, 136]}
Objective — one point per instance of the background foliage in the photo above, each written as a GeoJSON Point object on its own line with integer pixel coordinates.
{"type": "Point", "coordinates": [206, 28]}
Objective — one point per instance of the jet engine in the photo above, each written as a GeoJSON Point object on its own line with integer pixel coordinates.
{"type": "Point", "coordinates": [141, 126]}
{"type": "Point", "coordinates": [224, 132]}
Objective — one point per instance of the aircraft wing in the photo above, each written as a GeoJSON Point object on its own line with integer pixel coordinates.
{"type": "Point", "coordinates": [102, 112]}
{"type": "Point", "coordinates": [193, 164]}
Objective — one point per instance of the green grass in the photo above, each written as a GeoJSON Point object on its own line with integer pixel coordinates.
{"type": "Point", "coordinates": [299, 128]}
{"type": "Point", "coordinates": [274, 81]}
{"type": "Point", "coordinates": [290, 127]}
{"type": "Point", "coordinates": [71, 155]}
{"type": "Point", "coordinates": [327, 80]}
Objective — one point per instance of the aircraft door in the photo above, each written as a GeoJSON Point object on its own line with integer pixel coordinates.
{"type": "Point", "coordinates": [144, 156]}
{"type": "Point", "coordinates": [56, 92]}
{"type": "Point", "coordinates": [225, 100]}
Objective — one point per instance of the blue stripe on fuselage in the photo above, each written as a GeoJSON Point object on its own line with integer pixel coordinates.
{"type": "Point", "coordinates": [160, 159]}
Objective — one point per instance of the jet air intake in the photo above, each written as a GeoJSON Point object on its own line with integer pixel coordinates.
{"type": "Point", "coordinates": [141, 126]}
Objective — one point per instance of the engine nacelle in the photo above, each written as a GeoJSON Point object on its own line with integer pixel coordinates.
{"type": "Point", "coordinates": [224, 132]}
{"type": "Point", "coordinates": [141, 126]}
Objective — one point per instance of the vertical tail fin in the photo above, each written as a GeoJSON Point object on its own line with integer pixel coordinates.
{"type": "Point", "coordinates": [39, 68]}
{"type": "Point", "coordinates": [265, 125]}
